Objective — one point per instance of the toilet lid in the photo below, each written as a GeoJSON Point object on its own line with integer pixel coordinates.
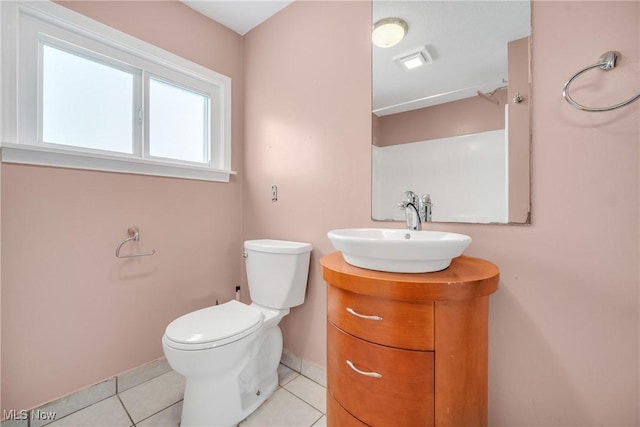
{"type": "Point", "coordinates": [213, 326]}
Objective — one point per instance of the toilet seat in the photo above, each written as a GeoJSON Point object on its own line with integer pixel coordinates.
{"type": "Point", "coordinates": [213, 326]}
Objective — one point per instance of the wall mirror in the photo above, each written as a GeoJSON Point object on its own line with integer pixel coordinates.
{"type": "Point", "coordinates": [451, 111]}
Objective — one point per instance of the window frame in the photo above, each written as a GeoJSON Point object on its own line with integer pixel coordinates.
{"type": "Point", "coordinates": [25, 26]}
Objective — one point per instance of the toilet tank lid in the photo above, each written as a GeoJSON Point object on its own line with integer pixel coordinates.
{"type": "Point", "coordinates": [277, 246]}
{"type": "Point", "coordinates": [222, 322]}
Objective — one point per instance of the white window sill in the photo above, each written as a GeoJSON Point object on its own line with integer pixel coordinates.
{"type": "Point", "coordinates": [45, 156]}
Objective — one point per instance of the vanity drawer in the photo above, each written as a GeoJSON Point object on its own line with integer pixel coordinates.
{"type": "Point", "coordinates": [393, 388]}
{"type": "Point", "coordinates": [337, 416]}
{"type": "Point", "coordinates": [393, 323]}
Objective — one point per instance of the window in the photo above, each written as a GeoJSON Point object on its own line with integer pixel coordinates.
{"type": "Point", "coordinates": [178, 125]}
{"type": "Point", "coordinates": [91, 97]}
{"type": "Point", "coordinates": [86, 103]}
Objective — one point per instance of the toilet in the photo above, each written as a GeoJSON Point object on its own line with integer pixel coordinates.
{"type": "Point", "coordinates": [229, 353]}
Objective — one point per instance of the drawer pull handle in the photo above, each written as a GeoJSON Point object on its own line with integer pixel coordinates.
{"type": "Point", "coordinates": [362, 316]}
{"type": "Point", "coordinates": [366, 374]}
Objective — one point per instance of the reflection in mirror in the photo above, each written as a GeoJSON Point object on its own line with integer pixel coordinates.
{"type": "Point", "coordinates": [456, 126]}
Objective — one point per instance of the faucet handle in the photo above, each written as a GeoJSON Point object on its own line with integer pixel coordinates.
{"type": "Point", "coordinates": [411, 196]}
{"type": "Point", "coordinates": [425, 207]}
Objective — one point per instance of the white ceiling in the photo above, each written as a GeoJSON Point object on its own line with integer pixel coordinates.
{"type": "Point", "coordinates": [466, 40]}
{"type": "Point", "coordinates": [239, 15]}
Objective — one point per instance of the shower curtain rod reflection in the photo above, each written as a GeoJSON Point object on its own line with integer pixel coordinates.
{"type": "Point", "coordinates": [489, 96]}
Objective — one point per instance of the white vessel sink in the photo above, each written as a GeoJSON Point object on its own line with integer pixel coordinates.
{"type": "Point", "coordinates": [398, 250]}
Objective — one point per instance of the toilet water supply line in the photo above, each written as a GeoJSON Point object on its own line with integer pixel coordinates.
{"type": "Point", "coordinates": [237, 295]}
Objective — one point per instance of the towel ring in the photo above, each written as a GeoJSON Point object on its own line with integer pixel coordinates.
{"type": "Point", "coordinates": [606, 62]}
{"type": "Point", "coordinates": [134, 234]}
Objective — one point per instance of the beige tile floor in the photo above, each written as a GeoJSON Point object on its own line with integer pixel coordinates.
{"type": "Point", "coordinates": [298, 402]}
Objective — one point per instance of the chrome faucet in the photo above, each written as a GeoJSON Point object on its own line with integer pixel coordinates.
{"type": "Point", "coordinates": [417, 210]}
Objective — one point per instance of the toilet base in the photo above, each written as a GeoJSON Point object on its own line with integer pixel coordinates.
{"type": "Point", "coordinates": [251, 402]}
{"type": "Point", "coordinates": [200, 410]}
{"type": "Point", "coordinates": [226, 398]}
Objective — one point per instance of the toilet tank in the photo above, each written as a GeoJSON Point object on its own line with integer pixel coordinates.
{"type": "Point", "coordinates": [277, 272]}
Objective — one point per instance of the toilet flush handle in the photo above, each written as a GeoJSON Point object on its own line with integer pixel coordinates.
{"type": "Point", "coordinates": [245, 254]}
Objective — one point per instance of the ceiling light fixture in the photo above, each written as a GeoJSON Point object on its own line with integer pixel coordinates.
{"type": "Point", "coordinates": [388, 32]}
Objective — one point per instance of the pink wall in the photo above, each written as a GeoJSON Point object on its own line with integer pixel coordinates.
{"type": "Point", "coordinates": [564, 326]}
{"type": "Point", "coordinates": [462, 117]}
{"type": "Point", "coordinates": [308, 130]}
{"type": "Point", "coordinates": [73, 314]}
{"type": "Point", "coordinates": [519, 129]}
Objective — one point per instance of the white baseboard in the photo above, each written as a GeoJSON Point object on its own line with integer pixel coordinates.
{"type": "Point", "coordinates": [90, 395]}
{"type": "Point", "coordinates": [309, 369]}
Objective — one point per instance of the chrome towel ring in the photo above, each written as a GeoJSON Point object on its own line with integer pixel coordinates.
{"type": "Point", "coordinates": [134, 234]}
{"type": "Point", "coordinates": [606, 62]}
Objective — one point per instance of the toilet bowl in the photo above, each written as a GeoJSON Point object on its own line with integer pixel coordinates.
{"type": "Point", "coordinates": [229, 353]}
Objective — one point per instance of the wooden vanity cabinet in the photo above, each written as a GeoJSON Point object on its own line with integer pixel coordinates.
{"type": "Point", "coordinates": [407, 349]}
